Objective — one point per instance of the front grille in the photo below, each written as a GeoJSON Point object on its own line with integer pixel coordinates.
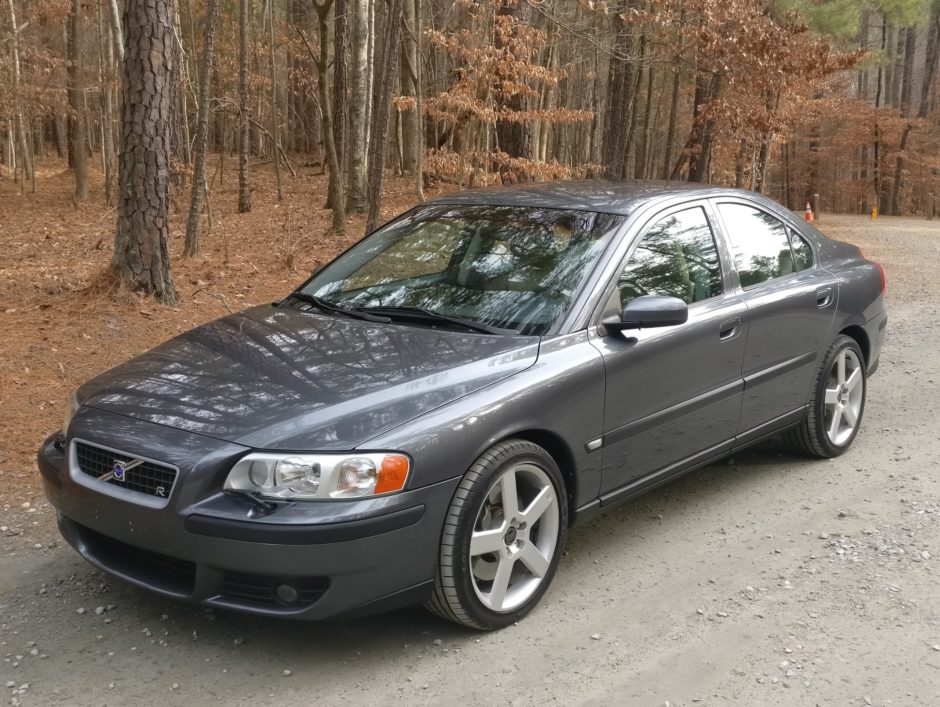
{"type": "Point", "coordinates": [259, 588]}
{"type": "Point", "coordinates": [162, 572]}
{"type": "Point", "coordinates": [150, 478]}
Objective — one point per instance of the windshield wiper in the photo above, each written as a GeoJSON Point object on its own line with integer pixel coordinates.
{"type": "Point", "coordinates": [330, 306]}
{"type": "Point", "coordinates": [428, 315]}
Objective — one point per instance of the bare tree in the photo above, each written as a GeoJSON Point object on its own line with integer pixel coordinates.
{"type": "Point", "coordinates": [335, 187]}
{"type": "Point", "coordinates": [199, 186]}
{"type": "Point", "coordinates": [244, 124]}
{"type": "Point", "coordinates": [383, 80]}
{"type": "Point", "coordinates": [141, 252]}
{"type": "Point", "coordinates": [275, 138]}
{"type": "Point", "coordinates": [358, 108]}
{"type": "Point", "coordinates": [78, 140]}
{"type": "Point", "coordinates": [18, 128]}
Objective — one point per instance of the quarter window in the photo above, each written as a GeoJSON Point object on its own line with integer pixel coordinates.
{"type": "Point", "coordinates": [760, 242]}
{"type": "Point", "coordinates": [676, 257]}
{"type": "Point", "coordinates": [802, 253]}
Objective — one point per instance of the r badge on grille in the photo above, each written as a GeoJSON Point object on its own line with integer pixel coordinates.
{"type": "Point", "coordinates": [119, 470]}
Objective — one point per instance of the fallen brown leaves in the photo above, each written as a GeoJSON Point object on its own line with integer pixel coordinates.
{"type": "Point", "coordinates": [63, 319]}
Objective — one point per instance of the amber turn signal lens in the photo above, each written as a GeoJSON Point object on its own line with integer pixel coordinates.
{"type": "Point", "coordinates": [392, 474]}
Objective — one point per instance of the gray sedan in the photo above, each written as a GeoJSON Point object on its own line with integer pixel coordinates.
{"type": "Point", "coordinates": [425, 417]}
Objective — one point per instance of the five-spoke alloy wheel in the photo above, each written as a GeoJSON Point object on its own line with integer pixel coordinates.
{"type": "Point", "coordinates": [503, 536]}
{"type": "Point", "coordinates": [837, 402]}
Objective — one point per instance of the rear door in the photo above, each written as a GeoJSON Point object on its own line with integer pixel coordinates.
{"type": "Point", "coordinates": [791, 303]}
{"type": "Point", "coordinates": [673, 393]}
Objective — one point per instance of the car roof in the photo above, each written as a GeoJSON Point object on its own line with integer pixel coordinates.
{"type": "Point", "coordinates": [587, 195]}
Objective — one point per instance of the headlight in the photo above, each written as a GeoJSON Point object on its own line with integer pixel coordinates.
{"type": "Point", "coordinates": [70, 411]}
{"type": "Point", "coordinates": [312, 477]}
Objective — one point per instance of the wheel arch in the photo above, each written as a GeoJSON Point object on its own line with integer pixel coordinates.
{"type": "Point", "coordinates": [860, 337]}
{"type": "Point", "coordinates": [560, 452]}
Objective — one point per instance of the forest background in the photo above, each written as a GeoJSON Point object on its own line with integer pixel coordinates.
{"type": "Point", "coordinates": [832, 102]}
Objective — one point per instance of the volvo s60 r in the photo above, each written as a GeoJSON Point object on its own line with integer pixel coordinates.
{"type": "Point", "coordinates": [424, 418]}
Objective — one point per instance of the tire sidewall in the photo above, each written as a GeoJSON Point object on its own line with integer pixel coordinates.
{"type": "Point", "coordinates": [819, 396]}
{"type": "Point", "coordinates": [481, 486]}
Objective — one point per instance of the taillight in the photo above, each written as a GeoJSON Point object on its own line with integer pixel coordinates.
{"type": "Point", "coordinates": [884, 280]}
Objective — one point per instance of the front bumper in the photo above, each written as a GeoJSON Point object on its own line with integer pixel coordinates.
{"type": "Point", "coordinates": [339, 558]}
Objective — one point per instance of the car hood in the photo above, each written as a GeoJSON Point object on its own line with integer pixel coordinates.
{"type": "Point", "coordinates": [280, 378]}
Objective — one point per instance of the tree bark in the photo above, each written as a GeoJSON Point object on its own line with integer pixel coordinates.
{"type": "Point", "coordinates": [358, 107]}
{"type": "Point", "coordinates": [340, 81]}
{"type": "Point", "coordinates": [117, 35]}
{"type": "Point", "coordinates": [141, 252]}
{"type": "Point", "coordinates": [409, 80]}
{"type": "Point", "coordinates": [907, 74]}
{"type": "Point", "coordinates": [78, 139]}
{"type": "Point", "coordinates": [619, 84]}
{"type": "Point", "coordinates": [512, 136]}
{"type": "Point", "coordinates": [199, 187]}
{"type": "Point", "coordinates": [383, 81]}
{"type": "Point", "coordinates": [335, 185]}
{"type": "Point", "coordinates": [671, 130]}
{"type": "Point", "coordinates": [275, 130]}
{"type": "Point", "coordinates": [244, 124]}
{"type": "Point", "coordinates": [18, 127]}
{"type": "Point", "coordinates": [930, 60]}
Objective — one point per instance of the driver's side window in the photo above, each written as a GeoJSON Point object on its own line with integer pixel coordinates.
{"type": "Point", "coordinates": [677, 257]}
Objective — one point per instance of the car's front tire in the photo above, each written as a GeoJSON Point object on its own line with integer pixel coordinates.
{"type": "Point", "coordinates": [837, 402]}
{"type": "Point", "coordinates": [503, 536]}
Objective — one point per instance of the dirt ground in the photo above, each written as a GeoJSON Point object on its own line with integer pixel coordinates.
{"type": "Point", "coordinates": [764, 579]}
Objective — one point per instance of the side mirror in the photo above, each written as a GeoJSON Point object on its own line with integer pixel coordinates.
{"type": "Point", "coordinates": [650, 311]}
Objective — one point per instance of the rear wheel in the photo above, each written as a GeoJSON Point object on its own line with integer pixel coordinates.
{"type": "Point", "coordinates": [503, 537]}
{"type": "Point", "coordinates": [837, 403]}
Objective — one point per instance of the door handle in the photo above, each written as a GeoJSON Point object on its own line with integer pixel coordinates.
{"type": "Point", "coordinates": [824, 297]}
{"type": "Point", "coordinates": [730, 328]}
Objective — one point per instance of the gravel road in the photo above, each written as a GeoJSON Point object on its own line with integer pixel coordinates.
{"type": "Point", "coordinates": [764, 579]}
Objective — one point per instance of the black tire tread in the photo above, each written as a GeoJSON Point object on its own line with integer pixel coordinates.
{"type": "Point", "coordinates": [806, 437]}
{"type": "Point", "coordinates": [445, 602]}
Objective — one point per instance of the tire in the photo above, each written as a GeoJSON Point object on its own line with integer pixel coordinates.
{"type": "Point", "coordinates": [493, 569]}
{"type": "Point", "coordinates": [834, 393]}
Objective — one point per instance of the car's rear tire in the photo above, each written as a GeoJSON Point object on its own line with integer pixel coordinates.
{"type": "Point", "coordinates": [503, 537]}
{"type": "Point", "coordinates": [837, 402]}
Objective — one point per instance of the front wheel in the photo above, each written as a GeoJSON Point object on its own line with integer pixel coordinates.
{"type": "Point", "coordinates": [502, 539]}
{"type": "Point", "coordinates": [837, 402]}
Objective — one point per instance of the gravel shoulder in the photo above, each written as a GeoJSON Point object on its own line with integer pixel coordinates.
{"type": "Point", "coordinates": [764, 579]}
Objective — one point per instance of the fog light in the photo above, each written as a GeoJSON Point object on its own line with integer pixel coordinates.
{"type": "Point", "coordinates": [287, 593]}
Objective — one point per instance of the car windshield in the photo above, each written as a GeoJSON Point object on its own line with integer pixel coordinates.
{"type": "Point", "coordinates": [510, 267]}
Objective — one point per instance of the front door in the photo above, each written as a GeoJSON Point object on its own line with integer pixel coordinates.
{"type": "Point", "coordinates": [673, 393]}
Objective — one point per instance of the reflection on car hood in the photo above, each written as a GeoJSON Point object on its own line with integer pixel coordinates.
{"type": "Point", "coordinates": [280, 378]}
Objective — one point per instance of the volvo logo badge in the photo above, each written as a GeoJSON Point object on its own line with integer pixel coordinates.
{"type": "Point", "coordinates": [119, 470]}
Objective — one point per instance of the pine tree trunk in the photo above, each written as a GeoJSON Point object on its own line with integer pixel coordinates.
{"type": "Point", "coordinates": [322, 63]}
{"type": "Point", "coordinates": [77, 132]}
{"type": "Point", "coordinates": [358, 107]}
{"type": "Point", "coordinates": [409, 80]}
{"type": "Point", "coordinates": [907, 75]}
{"type": "Point", "coordinates": [671, 130]}
{"type": "Point", "coordinates": [141, 253]}
{"type": "Point", "coordinates": [620, 81]}
{"type": "Point", "coordinates": [18, 127]}
{"type": "Point", "coordinates": [512, 136]}
{"type": "Point", "coordinates": [275, 131]}
{"type": "Point", "coordinates": [199, 187]}
{"type": "Point", "coordinates": [930, 60]}
{"type": "Point", "coordinates": [340, 81]}
{"type": "Point", "coordinates": [383, 81]}
{"type": "Point", "coordinates": [244, 124]}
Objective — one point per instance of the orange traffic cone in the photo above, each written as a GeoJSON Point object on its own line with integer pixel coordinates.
{"type": "Point", "coordinates": [809, 212]}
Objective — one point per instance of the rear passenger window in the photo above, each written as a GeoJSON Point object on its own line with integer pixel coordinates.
{"type": "Point", "coordinates": [676, 257]}
{"type": "Point", "coordinates": [802, 253]}
{"type": "Point", "coordinates": [760, 242]}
